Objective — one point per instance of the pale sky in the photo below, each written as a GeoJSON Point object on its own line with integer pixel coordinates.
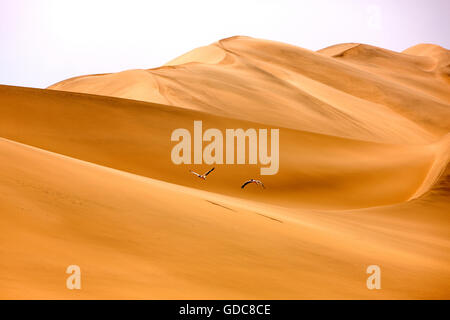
{"type": "Point", "coordinates": [45, 41]}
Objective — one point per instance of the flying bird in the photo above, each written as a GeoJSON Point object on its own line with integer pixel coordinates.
{"type": "Point", "coordinates": [253, 181]}
{"type": "Point", "coordinates": [202, 176]}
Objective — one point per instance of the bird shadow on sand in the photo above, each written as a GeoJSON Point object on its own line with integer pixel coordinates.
{"type": "Point", "coordinates": [259, 214]}
{"type": "Point", "coordinates": [267, 217]}
{"type": "Point", "coordinates": [217, 204]}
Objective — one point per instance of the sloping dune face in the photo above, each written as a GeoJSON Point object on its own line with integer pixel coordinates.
{"type": "Point", "coordinates": [287, 86]}
{"type": "Point", "coordinates": [422, 68]}
{"type": "Point", "coordinates": [316, 171]}
{"type": "Point", "coordinates": [132, 240]}
{"type": "Point", "coordinates": [86, 178]}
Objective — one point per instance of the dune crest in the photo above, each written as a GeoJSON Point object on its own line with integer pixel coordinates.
{"type": "Point", "coordinates": [441, 149]}
{"type": "Point", "coordinates": [427, 50]}
{"type": "Point", "coordinates": [270, 82]}
{"type": "Point", "coordinates": [316, 170]}
{"type": "Point", "coordinates": [212, 54]}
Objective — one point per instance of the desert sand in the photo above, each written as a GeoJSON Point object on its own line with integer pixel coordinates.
{"type": "Point", "coordinates": [86, 178]}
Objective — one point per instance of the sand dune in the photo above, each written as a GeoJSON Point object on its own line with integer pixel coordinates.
{"type": "Point", "coordinates": [317, 171]}
{"type": "Point", "coordinates": [133, 241]}
{"type": "Point", "coordinates": [271, 82]}
{"type": "Point", "coordinates": [86, 178]}
{"type": "Point", "coordinates": [423, 73]}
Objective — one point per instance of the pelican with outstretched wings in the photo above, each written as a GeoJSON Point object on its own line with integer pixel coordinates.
{"type": "Point", "coordinates": [202, 176]}
{"type": "Point", "coordinates": [253, 181]}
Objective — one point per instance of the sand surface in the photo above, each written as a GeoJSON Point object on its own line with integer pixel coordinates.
{"type": "Point", "coordinates": [86, 178]}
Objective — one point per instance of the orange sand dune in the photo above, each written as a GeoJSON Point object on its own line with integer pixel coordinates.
{"type": "Point", "coordinates": [283, 85]}
{"type": "Point", "coordinates": [423, 73]}
{"type": "Point", "coordinates": [86, 178]}
{"type": "Point", "coordinates": [316, 170]}
{"type": "Point", "coordinates": [132, 240]}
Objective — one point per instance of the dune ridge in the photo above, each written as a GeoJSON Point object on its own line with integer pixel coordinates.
{"type": "Point", "coordinates": [135, 136]}
{"type": "Point", "coordinates": [279, 91]}
{"type": "Point", "coordinates": [86, 178]}
{"type": "Point", "coordinates": [438, 167]}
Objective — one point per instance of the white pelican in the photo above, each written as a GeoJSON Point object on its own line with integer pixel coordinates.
{"type": "Point", "coordinates": [253, 181]}
{"type": "Point", "coordinates": [202, 176]}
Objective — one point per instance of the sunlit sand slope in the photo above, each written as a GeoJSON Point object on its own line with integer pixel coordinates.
{"type": "Point", "coordinates": [316, 170]}
{"type": "Point", "coordinates": [361, 97]}
{"type": "Point", "coordinates": [422, 68]}
{"type": "Point", "coordinates": [132, 240]}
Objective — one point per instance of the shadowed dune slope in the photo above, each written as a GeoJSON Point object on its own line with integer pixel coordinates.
{"type": "Point", "coordinates": [287, 86]}
{"type": "Point", "coordinates": [316, 170]}
{"type": "Point", "coordinates": [133, 241]}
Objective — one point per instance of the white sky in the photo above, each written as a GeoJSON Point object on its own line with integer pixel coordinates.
{"type": "Point", "coordinates": [45, 41]}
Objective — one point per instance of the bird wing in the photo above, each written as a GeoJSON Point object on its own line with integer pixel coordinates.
{"type": "Point", "coordinates": [198, 175]}
{"type": "Point", "coordinates": [246, 183]}
{"type": "Point", "coordinates": [209, 172]}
